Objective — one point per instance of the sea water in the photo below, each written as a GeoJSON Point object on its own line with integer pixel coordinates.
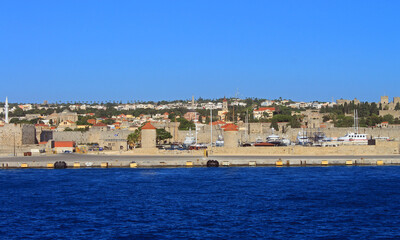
{"type": "Point", "coordinates": [201, 203]}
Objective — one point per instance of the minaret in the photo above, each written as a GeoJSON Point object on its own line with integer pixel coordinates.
{"type": "Point", "coordinates": [6, 110]}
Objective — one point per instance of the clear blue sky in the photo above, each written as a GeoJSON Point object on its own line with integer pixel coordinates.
{"type": "Point", "coordinates": [155, 50]}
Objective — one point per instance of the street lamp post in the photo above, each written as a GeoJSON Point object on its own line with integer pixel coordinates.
{"type": "Point", "coordinates": [14, 144]}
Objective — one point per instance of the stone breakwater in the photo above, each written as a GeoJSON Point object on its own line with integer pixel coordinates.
{"type": "Point", "coordinates": [384, 153]}
{"type": "Point", "coordinates": [146, 161]}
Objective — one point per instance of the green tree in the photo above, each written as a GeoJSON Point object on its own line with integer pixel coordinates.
{"type": "Point", "coordinates": [108, 121]}
{"type": "Point", "coordinates": [82, 120]}
{"type": "Point", "coordinates": [388, 118]}
{"type": "Point", "coordinates": [295, 122]}
{"type": "Point", "coordinates": [162, 134]}
{"type": "Point", "coordinates": [274, 124]}
{"type": "Point", "coordinates": [344, 121]}
{"type": "Point", "coordinates": [397, 107]}
{"type": "Point", "coordinates": [134, 138]}
{"type": "Point", "coordinates": [14, 120]}
{"type": "Point", "coordinates": [326, 118]}
{"type": "Point", "coordinates": [185, 124]}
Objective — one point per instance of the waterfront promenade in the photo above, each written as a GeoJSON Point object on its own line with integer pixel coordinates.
{"type": "Point", "coordinates": [102, 160]}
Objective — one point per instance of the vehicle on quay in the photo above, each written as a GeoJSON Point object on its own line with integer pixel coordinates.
{"type": "Point", "coordinates": [220, 141]}
{"type": "Point", "coordinates": [175, 147]}
{"type": "Point", "coordinates": [260, 143]}
{"type": "Point", "coordinates": [197, 147]}
{"type": "Point", "coordinates": [382, 138]}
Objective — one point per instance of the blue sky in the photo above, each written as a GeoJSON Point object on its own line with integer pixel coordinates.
{"type": "Point", "coordinates": [155, 50]}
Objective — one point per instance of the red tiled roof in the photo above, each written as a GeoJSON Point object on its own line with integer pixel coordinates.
{"type": "Point", "coordinates": [385, 122]}
{"type": "Point", "coordinates": [148, 126]}
{"type": "Point", "coordinates": [41, 125]}
{"type": "Point", "coordinates": [64, 144]}
{"type": "Point", "coordinates": [265, 109]}
{"type": "Point", "coordinates": [230, 127]}
{"type": "Point", "coordinates": [91, 121]}
{"type": "Point", "coordinates": [219, 122]}
{"type": "Point", "coordinates": [99, 124]}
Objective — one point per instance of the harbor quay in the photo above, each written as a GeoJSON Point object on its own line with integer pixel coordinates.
{"type": "Point", "coordinates": [158, 161]}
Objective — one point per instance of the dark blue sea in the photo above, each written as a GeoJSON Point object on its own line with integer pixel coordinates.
{"type": "Point", "coordinates": [201, 203]}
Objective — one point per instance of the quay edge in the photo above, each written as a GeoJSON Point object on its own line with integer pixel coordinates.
{"type": "Point", "coordinates": [151, 161]}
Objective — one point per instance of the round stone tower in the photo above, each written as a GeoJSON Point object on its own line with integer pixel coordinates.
{"type": "Point", "coordinates": [231, 136]}
{"type": "Point", "coordinates": [148, 136]}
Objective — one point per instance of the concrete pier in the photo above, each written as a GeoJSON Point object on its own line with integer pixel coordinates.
{"type": "Point", "coordinates": [148, 161]}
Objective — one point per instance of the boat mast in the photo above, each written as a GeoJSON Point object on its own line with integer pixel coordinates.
{"type": "Point", "coordinates": [355, 121]}
{"type": "Point", "coordinates": [195, 124]}
{"type": "Point", "coordinates": [211, 127]}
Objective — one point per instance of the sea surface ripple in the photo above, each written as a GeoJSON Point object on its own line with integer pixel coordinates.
{"type": "Point", "coordinates": [201, 203]}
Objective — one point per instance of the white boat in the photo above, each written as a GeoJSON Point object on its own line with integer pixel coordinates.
{"type": "Point", "coordinates": [302, 139]}
{"type": "Point", "coordinates": [220, 141]}
{"type": "Point", "coordinates": [354, 137]}
{"type": "Point", "coordinates": [274, 139]}
{"type": "Point", "coordinates": [189, 140]}
{"type": "Point", "coordinates": [286, 142]}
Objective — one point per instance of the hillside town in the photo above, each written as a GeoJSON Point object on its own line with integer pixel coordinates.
{"type": "Point", "coordinates": [115, 126]}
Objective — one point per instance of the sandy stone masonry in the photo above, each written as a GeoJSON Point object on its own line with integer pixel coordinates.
{"type": "Point", "coordinates": [22, 133]}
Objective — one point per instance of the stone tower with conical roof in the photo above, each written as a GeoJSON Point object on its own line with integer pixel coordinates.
{"type": "Point", "coordinates": [148, 136]}
{"type": "Point", "coordinates": [231, 136]}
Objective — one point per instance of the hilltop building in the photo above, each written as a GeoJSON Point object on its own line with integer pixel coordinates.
{"type": "Point", "coordinates": [222, 114]}
{"type": "Point", "coordinates": [65, 115]}
{"type": "Point", "coordinates": [343, 101]}
{"type": "Point", "coordinates": [386, 105]}
{"type": "Point", "coordinates": [267, 112]}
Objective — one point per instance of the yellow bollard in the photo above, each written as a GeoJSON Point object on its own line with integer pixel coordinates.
{"type": "Point", "coordinates": [379, 162]}
{"type": "Point", "coordinates": [349, 162]}
{"type": "Point", "coordinates": [205, 153]}
{"type": "Point", "coordinates": [189, 164]}
{"type": "Point", "coordinates": [133, 165]}
{"type": "Point", "coordinates": [77, 165]}
{"type": "Point", "coordinates": [324, 162]}
{"type": "Point", "coordinates": [104, 165]}
{"type": "Point", "coordinates": [252, 163]}
{"type": "Point", "coordinates": [24, 165]}
{"type": "Point", "coordinates": [50, 165]}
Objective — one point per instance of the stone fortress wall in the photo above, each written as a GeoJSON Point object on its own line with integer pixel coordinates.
{"type": "Point", "coordinates": [22, 133]}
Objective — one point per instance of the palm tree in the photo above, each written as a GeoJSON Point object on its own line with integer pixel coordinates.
{"type": "Point", "coordinates": [134, 138]}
